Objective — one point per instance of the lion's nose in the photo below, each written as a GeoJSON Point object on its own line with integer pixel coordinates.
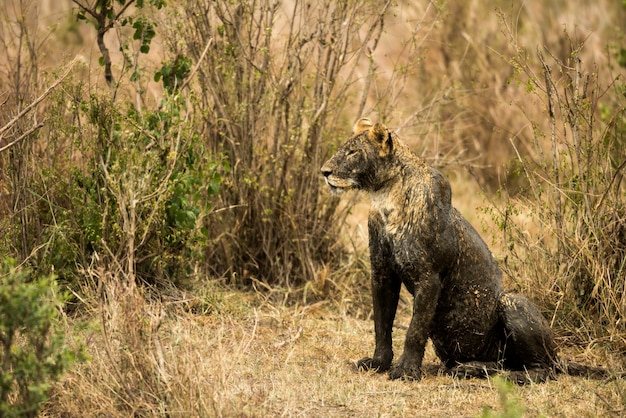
{"type": "Point", "coordinates": [326, 171]}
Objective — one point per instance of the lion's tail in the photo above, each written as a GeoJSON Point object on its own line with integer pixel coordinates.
{"type": "Point", "coordinates": [590, 372]}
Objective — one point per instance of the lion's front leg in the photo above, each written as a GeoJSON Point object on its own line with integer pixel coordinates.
{"type": "Point", "coordinates": [385, 295]}
{"type": "Point", "coordinates": [425, 299]}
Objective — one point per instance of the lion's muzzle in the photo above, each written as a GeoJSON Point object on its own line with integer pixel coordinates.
{"type": "Point", "coordinates": [336, 184]}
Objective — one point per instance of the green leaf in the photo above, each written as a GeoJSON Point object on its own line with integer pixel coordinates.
{"type": "Point", "coordinates": [621, 57]}
{"type": "Point", "coordinates": [158, 3]}
{"type": "Point", "coordinates": [138, 33]}
{"type": "Point", "coordinates": [214, 184]}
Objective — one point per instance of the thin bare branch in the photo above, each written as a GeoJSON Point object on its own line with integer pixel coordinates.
{"type": "Point", "coordinates": [195, 67]}
{"type": "Point", "coordinates": [24, 135]}
{"type": "Point", "coordinates": [34, 104]}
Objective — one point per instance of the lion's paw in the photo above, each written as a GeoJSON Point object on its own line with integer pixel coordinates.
{"type": "Point", "coordinates": [406, 370]}
{"type": "Point", "coordinates": [373, 363]}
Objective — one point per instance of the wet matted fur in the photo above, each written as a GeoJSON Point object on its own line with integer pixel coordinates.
{"type": "Point", "coordinates": [418, 239]}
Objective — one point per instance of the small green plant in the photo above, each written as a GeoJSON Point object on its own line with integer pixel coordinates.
{"type": "Point", "coordinates": [173, 73]}
{"type": "Point", "coordinates": [33, 351]}
{"type": "Point", "coordinates": [510, 405]}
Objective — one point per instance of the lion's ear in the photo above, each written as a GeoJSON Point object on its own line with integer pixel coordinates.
{"type": "Point", "coordinates": [381, 136]}
{"type": "Point", "coordinates": [361, 125]}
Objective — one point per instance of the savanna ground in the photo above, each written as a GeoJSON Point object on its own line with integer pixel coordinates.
{"type": "Point", "coordinates": [159, 172]}
{"type": "Point", "coordinates": [247, 357]}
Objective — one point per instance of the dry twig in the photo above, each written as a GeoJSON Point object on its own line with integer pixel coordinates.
{"type": "Point", "coordinates": [30, 107]}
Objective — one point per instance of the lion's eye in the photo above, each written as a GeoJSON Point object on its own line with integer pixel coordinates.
{"type": "Point", "coordinates": [351, 152]}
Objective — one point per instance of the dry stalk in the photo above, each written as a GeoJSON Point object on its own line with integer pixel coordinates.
{"type": "Point", "coordinates": [31, 106]}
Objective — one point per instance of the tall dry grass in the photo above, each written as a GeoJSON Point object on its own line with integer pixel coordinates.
{"type": "Point", "coordinates": [461, 102]}
{"type": "Point", "coordinates": [275, 88]}
{"type": "Point", "coordinates": [565, 232]}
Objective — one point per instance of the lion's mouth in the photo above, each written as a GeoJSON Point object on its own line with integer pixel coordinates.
{"type": "Point", "coordinates": [337, 187]}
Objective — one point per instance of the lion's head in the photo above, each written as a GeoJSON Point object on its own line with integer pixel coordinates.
{"type": "Point", "coordinates": [357, 163]}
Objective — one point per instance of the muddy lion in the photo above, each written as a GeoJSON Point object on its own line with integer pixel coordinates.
{"type": "Point", "coordinates": [418, 239]}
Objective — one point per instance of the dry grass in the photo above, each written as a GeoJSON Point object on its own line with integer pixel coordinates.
{"type": "Point", "coordinates": [246, 357]}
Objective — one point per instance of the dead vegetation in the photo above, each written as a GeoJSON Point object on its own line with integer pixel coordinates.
{"type": "Point", "coordinates": [180, 201]}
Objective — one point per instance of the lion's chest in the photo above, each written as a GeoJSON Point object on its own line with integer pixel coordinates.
{"type": "Point", "coordinates": [398, 214]}
{"type": "Point", "coordinates": [386, 216]}
{"type": "Point", "coordinates": [394, 238]}
{"type": "Point", "coordinates": [407, 233]}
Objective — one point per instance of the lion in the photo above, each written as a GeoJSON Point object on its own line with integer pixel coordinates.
{"type": "Point", "coordinates": [417, 238]}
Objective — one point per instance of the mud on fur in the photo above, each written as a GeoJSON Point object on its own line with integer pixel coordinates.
{"type": "Point", "coordinates": [418, 239]}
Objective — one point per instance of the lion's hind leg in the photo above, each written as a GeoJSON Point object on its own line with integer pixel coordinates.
{"type": "Point", "coordinates": [528, 345]}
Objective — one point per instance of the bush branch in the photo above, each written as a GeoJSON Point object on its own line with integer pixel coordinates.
{"type": "Point", "coordinates": [30, 107]}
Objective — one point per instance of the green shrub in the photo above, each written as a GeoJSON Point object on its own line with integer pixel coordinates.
{"type": "Point", "coordinates": [33, 351]}
{"type": "Point", "coordinates": [137, 181]}
{"type": "Point", "coordinates": [145, 184]}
